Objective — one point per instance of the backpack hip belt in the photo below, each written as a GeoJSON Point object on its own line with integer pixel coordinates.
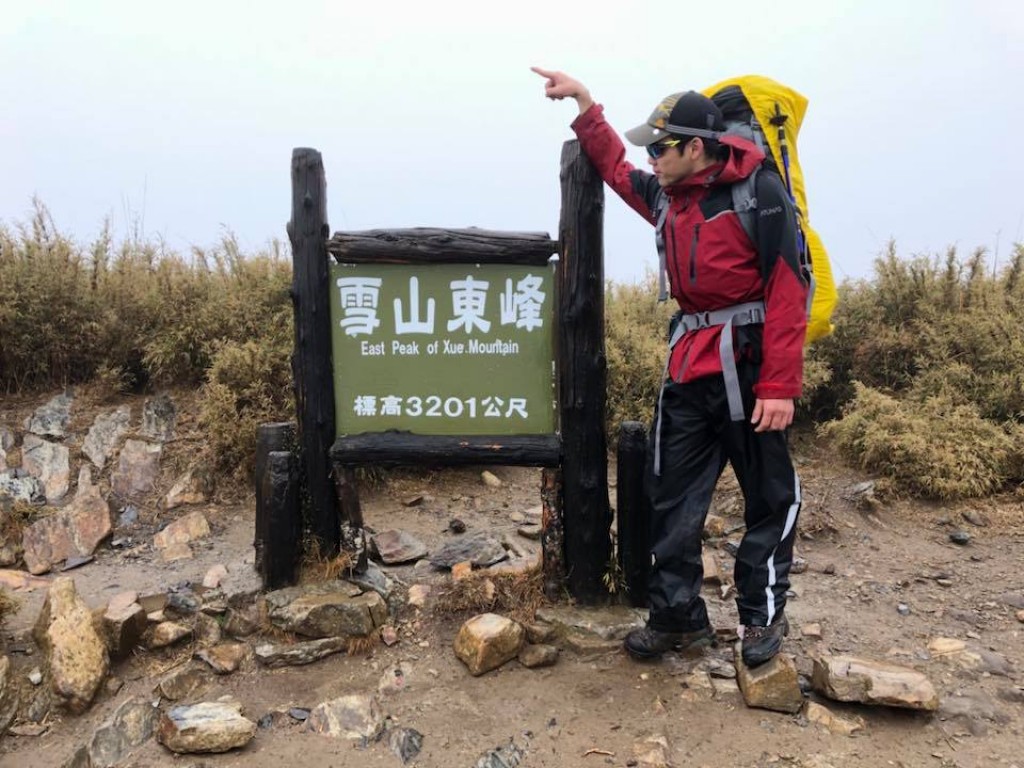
{"type": "Point", "coordinates": [750, 313]}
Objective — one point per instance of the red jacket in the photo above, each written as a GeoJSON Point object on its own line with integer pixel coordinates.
{"type": "Point", "coordinates": [710, 260]}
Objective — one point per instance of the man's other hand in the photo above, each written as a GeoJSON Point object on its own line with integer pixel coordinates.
{"type": "Point", "coordinates": [772, 415]}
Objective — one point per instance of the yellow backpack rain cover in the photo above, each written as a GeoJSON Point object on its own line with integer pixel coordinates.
{"type": "Point", "coordinates": [763, 94]}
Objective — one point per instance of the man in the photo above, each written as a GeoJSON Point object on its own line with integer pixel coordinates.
{"type": "Point", "coordinates": [735, 363]}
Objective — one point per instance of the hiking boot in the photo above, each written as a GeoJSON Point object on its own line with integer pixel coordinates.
{"type": "Point", "coordinates": [760, 644]}
{"type": "Point", "coordinates": [648, 643]}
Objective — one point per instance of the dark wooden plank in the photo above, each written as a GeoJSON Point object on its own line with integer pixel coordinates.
{"type": "Point", "coordinates": [582, 377]}
{"type": "Point", "coordinates": [391, 449]}
{"type": "Point", "coordinates": [552, 534]}
{"type": "Point", "coordinates": [426, 245]}
{"type": "Point", "coordinates": [269, 437]}
{"type": "Point", "coordinates": [633, 514]}
{"type": "Point", "coordinates": [353, 538]}
{"type": "Point", "coordinates": [282, 548]}
{"type": "Point", "coordinates": [311, 361]}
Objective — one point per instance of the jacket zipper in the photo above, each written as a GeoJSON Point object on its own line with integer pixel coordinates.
{"type": "Point", "coordinates": [674, 261]}
{"type": "Point", "coordinates": [693, 254]}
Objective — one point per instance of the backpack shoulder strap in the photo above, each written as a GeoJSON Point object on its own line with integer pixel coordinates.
{"type": "Point", "coordinates": [661, 212]}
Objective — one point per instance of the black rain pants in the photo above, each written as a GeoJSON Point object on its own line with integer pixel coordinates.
{"type": "Point", "coordinates": [697, 439]}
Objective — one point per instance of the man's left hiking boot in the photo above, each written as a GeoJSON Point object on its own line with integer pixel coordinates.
{"type": "Point", "coordinates": [648, 643]}
{"type": "Point", "coordinates": [761, 644]}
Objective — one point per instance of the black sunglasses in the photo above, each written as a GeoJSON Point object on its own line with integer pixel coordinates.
{"type": "Point", "coordinates": [657, 150]}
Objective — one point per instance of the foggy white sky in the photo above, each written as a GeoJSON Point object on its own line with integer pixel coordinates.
{"type": "Point", "coordinates": [184, 114]}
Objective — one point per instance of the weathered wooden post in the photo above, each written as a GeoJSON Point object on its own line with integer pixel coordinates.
{"type": "Point", "coordinates": [633, 515]}
{"type": "Point", "coordinates": [269, 438]}
{"type": "Point", "coordinates": [280, 491]}
{"type": "Point", "coordinates": [311, 361]}
{"type": "Point", "coordinates": [582, 377]}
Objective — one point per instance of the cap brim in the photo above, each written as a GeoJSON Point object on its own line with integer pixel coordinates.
{"type": "Point", "coordinates": [644, 135]}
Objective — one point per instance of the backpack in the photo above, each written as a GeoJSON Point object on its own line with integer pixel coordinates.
{"type": "Point", "coordinates": [749, 105]}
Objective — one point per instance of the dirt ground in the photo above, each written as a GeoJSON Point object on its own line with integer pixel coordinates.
{"type": "Point", "coordinates": [593, 709]}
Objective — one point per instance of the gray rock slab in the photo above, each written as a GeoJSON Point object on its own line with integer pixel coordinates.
{"type": "Point", "coordinates": [105, 434]}
{"type": "Point", "coordinates": [51, 420]}
{"type": "Point", "coordinates": [848, 678]}
{"type": "Point", "coordinates": [159, 415]}
{"type": "Point", "coordinates": [395, 547]}
{"type": "Point", "coordinates": [50, 462]}
{"type": "Point", "coordinates": [74, 531]}
{"type": "Point", "coordinates": [333, 609]}
{"type": "Point", "coordinates": [138, 467]}
{"type": "Point", "coordinates": [374, 578]}
{"type": "Point", "coordinates": [6, 439]}
{"type": "Point", "coordinates": [275, 655]}
{"type": "Point", "coordinates": [131, 726]}
{"type": "Point", "coordinates": [212, 726]}
{"type": "Point", "coordinates": [607, 623]}
{"type": "Point", "coordinates": [21, 486]}
{"type": "Point", "coordinates": [481, 550]}
{"type": "Point", "coordinates": [357, 718]}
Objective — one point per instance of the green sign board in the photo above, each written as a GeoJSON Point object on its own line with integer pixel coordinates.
{"type": "Point", "coordinates": [443, 349]}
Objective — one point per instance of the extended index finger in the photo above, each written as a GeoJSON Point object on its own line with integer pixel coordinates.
{"type": "Point", "coordinates": [543, 72]}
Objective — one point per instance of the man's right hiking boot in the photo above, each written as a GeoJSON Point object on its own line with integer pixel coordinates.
{"type": "Point", "coordinates": [648, 643]}
{"type": "Point", "coordinates": [761, 644]}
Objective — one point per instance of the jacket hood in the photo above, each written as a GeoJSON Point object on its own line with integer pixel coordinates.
{"type": "Point", "coordinates": [744, 157]}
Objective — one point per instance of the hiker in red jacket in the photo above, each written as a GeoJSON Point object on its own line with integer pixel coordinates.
{"type": "Point", "coordinates": [735, 363]}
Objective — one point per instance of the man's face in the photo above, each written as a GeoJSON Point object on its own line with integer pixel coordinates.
{"type": "Point", "coordinates": [675, 162]}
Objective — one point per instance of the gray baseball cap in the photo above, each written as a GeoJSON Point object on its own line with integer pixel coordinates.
{"type": "Point", "coordinates": [681, 114]}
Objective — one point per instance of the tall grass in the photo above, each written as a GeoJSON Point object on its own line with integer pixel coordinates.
{"type": "Point", "coordinates": [922, 382]}
{"type": "Point", "coordinates": [141, 315]}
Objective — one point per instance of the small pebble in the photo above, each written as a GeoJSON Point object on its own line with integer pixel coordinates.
{"type": "Point", "coordinates": [903, 609]}
{"type": "Point", "coordinates": [1020, 616]}
{"type": "Point", "coordinates": [799, 565]}
{"type": "Point", "coordinates": [35, 676]}
{"type": "Point", "coordinates": [829, 569]}
{"type": "Point", "coordinates": [456, 526]}
{"type": "Point", "coordinates": [960, 537]}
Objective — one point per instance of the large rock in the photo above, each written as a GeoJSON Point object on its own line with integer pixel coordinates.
{"type": "Point", "coordinates": [609, 624]}
{"type": "Point", "coordinates": [124, 622]}
{"type": "Point", "coordinates": [130, 727]}
{"type": "Point", "coordinates": [847, 678]}
{"type": "Point", "coordinates": [182, 682]}
{"type": "Point", "coordinates": [296, 654]}
{"type": "Point", "coordinates": [6, 439]}
{"type": "Point", "coordinates": [481, 550]}
{"type": "Point", "coordinates": [487, 641]}
{"type": "Point", "coordinates": [822, 715]}
{"type": "Point", "coordinates": [773, 685]}
{"type": "Point", "coordinates": [21, 486]}
{"type": "Point", "coordinates": [74, 531]}
{"type": "Point", "coordinates": [358, 718]}
{"type": "Point", "coordinates": [158, 418]}
{"type": "Point", "coordinates": [138, 467]}
{"type": "Point", "coordinates": [168, 633]}
{"type": "Point", "coordinates": [190, 488]}
{"type": "Point", "coordinates": [216, 726]}
{"type": "Point", "coordinates": [183, 531]}
{"type": "Point", "coordinates": [8, 696]}
{"type": "Point", "coordinates": [52, 419]}
{"type": "Point", "coordinates": [396, 547]}
{"type": "Point", "coordinates": [50, 463]}
{"type": "Point", "coordinates": [224, 658]}
{"type": "Point", "coordinates": [76, 653]}
{"type": "Point", "coordinates": [105, 434]}
{"type": "Point", "coordinates": [333, 609]}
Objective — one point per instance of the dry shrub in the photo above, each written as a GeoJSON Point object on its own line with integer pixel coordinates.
{"type": "Point", "coordinates": [249, 384]}
{"type": "Point", "coordinates": [935, 448]}
{"type": "Point", "coordinates": [636, 327]}
{"type": "Point", "coordinates": [133, 310]}
{"type": "Point", "coordinates": [517, 595]}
